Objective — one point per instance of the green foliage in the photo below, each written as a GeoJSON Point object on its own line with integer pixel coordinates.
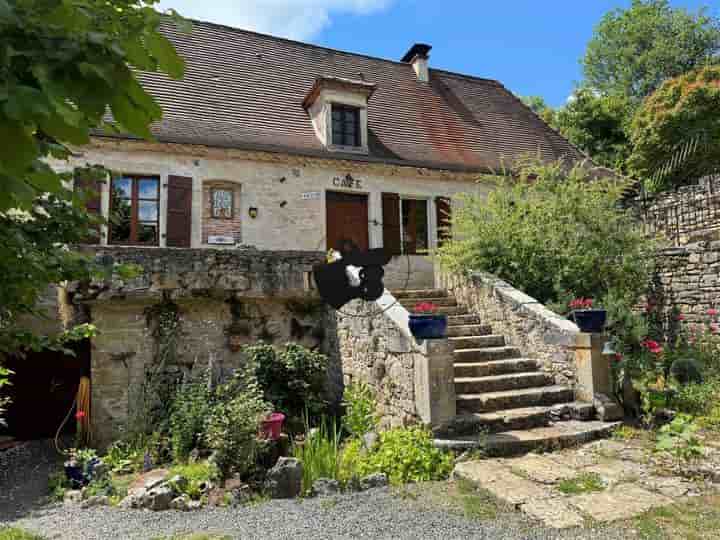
{"type": "Point", "coordinates": [63, 64]}
{"type": "Point", "coordinates": [597, 124]}
{"type": "Point", "coordinates": [585, 483]}
{"type": "Point", "coordinates": [678, 127]}
{"type": "Point", "coordinates": [405, 455]}
{"type": "Point", "coordinates": [232, 424]}
{"type": "Point", "coordinates": [14, 533]}
{"type": "Point", "coordinates": [538, 105]}
{"type": "Point", "coordinates": [634, 50]}
{"type": "Point", "coordinates": [319, 453]}
{"type": "Point", "coordinates": [124, 458]}
{"type": "Point", "coordinates": [196, 475]}
{"type": "Point", "coordinates": [57, 485]}
{"type": "Point", "coordinates": [292, 378]}
{"type": "Point", "coordinates": [360, 409]}
{"type": "Point", "coordinates": [554, 234]}
{"type": "Point", "coordinates": [678, 438]}
{"type": "Point", "coordinates": [189, 415]}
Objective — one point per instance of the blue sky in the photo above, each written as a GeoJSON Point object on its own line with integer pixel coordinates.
{"type": "Point", "coordinates": [531, 46]}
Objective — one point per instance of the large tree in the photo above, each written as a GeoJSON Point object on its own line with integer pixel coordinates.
{"type": "Point", "coordinates": [634, 50]}
{"type": "Point", "coordinates": [63, 63]}
{"type": "Point", "coordinates": [676, 131]}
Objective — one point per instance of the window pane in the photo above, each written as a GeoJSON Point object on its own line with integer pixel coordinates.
{"type": "Point", "coordinates": [148, 188]}
{"type": "Point", "coordinates": [148, 210]}
{"type": "Point", "coordinates": [414, 221]}
{"type": "Point", "coordinates": [222, 203]}
{"type": "Point", "coordinates": [122, 187]}
{"type": "Point", "coordinates": [421, 230]}
{"type": "Point", "coordinates": [147, 233]}
{"type": "Point", "coordinates": [120, 221]}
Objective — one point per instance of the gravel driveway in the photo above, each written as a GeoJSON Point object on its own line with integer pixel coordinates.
{"type": "Point", "coordinates": [372, 514]}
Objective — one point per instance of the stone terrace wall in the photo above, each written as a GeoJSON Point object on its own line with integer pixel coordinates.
{"type": "Point", "coordinates": [535, 330]}
{"type": "Point", "coordinates": [413, 383]}
{"type": "Point", "coordinates": [223, 300]}
{"type": "Point", "coordinates": [688, 282]}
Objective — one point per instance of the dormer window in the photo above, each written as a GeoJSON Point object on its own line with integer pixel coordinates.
{"type": "Point", "coordinates": [338, 110]}
{"type": "Point", "coordinates": [345, 125]}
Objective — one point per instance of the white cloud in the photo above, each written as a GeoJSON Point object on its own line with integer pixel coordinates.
{"type": "Point", "coordinates": [295, 19]}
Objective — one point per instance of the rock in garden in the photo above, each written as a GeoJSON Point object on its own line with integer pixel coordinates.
{"type": "Point", "coordinates": [369, 439]}
{"type": "Point", "coordinates": [559, 412]}
{"type": "Point", "coordinates": [72, 496]}
{"type": "Point", "coordinates": [194, 505]}
{"type": "Point", "coordinates": [149, 480]}
{"type": "Point", "coordinates": [180, 503]}
{"type": "Point", "coordinates": [131, 501]}
{"type": "Point", "coordinates": [179, 483]}
{"type": "Point", "coordinates": [325, 487]}
{"type": "Point", "coordinates": [158, 498]}
{"type": "Point", "coordinates": [95, 500]}
{"type": "Point", "coordinates": [216, 497]}
{"type": "Point", "coordinates": [374, 481]}
{"type": "Point", "coordinates": [608, 410]}
{"type": "Point", "coordinates": [284, 480]}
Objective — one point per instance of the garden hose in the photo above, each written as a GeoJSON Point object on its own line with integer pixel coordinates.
{"type": "Point", "coordinates": [62, 425]}
{"type": "Point", "coordinates": [82, 401]}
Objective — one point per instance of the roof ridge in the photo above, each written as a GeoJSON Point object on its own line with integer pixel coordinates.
{"type": "Point", "coordinates": [332, 49]}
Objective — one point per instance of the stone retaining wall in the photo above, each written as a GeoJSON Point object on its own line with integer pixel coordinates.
{"type": "Point", "coordinates": [413, 382]}
{"type": "Point", "coordinates": [526, 323]}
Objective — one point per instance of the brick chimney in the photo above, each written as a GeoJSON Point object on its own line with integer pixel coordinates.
{"type": "Point", "coordinates": [418, 56]}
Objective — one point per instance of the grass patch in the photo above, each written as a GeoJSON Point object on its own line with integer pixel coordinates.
{"type": "Point", "coordinates": [585, 483]}
{"type": "Point", "coordinates": [12, 533]}
{"type": "Point", "coordinates": [697, 519]}
{"type": "Point", "coordinates": [628, 433]}
{"type": "Point", "coordinates": [459, 497]}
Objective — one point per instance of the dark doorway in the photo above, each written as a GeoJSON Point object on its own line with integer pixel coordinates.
{"type": "Point", "coordinates": [44, 386]}
{"type": "Point", "coordinates": [347, 219]}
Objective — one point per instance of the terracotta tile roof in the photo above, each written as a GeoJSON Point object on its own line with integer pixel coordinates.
{"type": "Point", "coordinates": [245, 90]}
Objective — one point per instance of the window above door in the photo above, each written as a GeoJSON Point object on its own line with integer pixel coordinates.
{"type": "Point", "coordinates": [135, 210]}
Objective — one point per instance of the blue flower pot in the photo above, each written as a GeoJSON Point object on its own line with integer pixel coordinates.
{"type": "Point", "coordinates": [591, 321]}
{"type": "Point", "coordinates": [428, 326]}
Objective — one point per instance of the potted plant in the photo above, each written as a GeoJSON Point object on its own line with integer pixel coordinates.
{"type": "Point", "coordinates": [426, 324]}
{"type": "Point", "coordinates": [588, 319]}
{"type": "Point", "coordinates": [272, 426]}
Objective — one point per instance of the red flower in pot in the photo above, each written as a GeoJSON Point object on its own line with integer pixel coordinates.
{"type": "Point", "coordinates": [425, 323]}
{"type": "Point", "coordinates": [588, 319]}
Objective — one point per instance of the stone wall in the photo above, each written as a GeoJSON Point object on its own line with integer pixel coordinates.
{"type": "Point", "coordinates": [687, 282]}
{"type": "Point", "coordinates": [413, 382]}
{"type": "Point", "coordinates": [222, 300]}
{"type": "Point", "coordinates": [526, 323]}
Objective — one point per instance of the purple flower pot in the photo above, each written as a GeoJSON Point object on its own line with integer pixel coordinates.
{"type": "Point", "coordinates": [428, 326]}
{"type": "Point", "coordinates": [591, 321]}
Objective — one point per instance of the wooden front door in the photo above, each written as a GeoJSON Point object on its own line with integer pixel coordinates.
{"type": "Point", "coordinates": [347, 219]}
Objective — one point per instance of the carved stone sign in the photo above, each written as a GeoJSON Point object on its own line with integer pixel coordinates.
{"type": "Point", "coordinates": [347, 181]}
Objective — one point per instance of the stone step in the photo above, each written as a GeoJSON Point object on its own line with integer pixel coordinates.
{"type": "Point", "coordinates": [410, 303]}
{"type": "Point", "coordinates": [462, 321]}
{"type": "Point", "coordinates": [500, 383]}
{"type": "Point", "coordinates": [485, 354]}
{"type": "Point", "coordinates": [420, 293]}
{"type": "Point", "coordinates": [496, 367]}
{"type": "Point", "coordinates": [451, 310]}
{"type": "Point", "coordinates": [477, 342]}
{"type": "Point", "coordinates": [555, 436]}
{"type": "Point", "coordinates": [513, 399]}
{"type": "Point", "coordinates": [469, 424]}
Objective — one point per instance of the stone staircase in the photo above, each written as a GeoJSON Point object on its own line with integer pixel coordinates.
{"type": "Point", "coordinates": [505, 402]}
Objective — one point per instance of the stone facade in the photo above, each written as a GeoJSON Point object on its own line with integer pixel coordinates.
{"type": "Point", "coordinates": [221, 300]}
{"type": "Point", "coordinates": [687, 282]}
{"type": "Point", "coordinates": [412, 382]}
{"type": "Point", "coordinates": [287, 191]}
{"type": "Point", "coordinates": [526, 323]}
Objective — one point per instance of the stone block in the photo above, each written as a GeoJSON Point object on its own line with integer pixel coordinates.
{"type": "Point", "coordinates": [608, 410]}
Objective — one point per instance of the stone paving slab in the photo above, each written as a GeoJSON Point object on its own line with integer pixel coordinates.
{"type": "Point", "coordinates": [501, 482]}
{"type": "Point", "coordinates": [554, 513]}
{"type": "Point", "coordinates": [617, 471]}
{"type": "Point", "coordinates": [623, 502]}
{"type": "Point", "coordinates": [542, 469]}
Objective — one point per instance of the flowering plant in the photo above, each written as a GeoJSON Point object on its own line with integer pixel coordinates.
{"type": "Point", "coordinates": [427, 308]}
{"type": "Point", "coordinates": [581, 303]}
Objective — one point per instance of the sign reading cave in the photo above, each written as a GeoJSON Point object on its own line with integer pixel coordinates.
{"type": "Point", "coordinates": [347, 181]}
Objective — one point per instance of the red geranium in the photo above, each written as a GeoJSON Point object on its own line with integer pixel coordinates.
{"type": "Point", "coordinates": [680, 317]}
{"type": "Point", "coordinates": [80, 415]}
{"type": "Point", "coordinates": [652, 346]}
{"type": "Point", "coordinates": [712, 312]}
{"type": "Point", "coordinates": [618, 357]}
{"type": "Point", "coordinates": [581, 303]}
{"type": "Point", "coordinates": [425, 307]}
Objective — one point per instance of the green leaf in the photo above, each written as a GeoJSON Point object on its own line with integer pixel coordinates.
{"type": "Point", "coordinates": [56, 126]}
{"type": "Point", "coordinates": [137, 55]}
{"type": "Point", "coordinates": [168, 59]}
{"type": "Point", "coordinates": [17, 147]}
{"type": "Point", "coordinates": [130, 117]}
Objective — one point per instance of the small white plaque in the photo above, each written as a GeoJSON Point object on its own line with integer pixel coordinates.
{"type": "Point", "coordinates": [311, 195]}
{"type": "Point", "coordinates": [224, 240]}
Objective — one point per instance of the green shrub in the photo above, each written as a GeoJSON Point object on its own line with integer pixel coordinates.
{"type": "Point", "coordinates": [678, 438]}
{"type": "Point", "coordinates": [196, 474]}
{"type": "Point", "coordinates": [292, 378]}
{"type": "Point", "coordinates": [57, 485]}
{"type": "Point", "coordinates": [360, 415]}
{"type": "Point", "coordinates": [696, 399]}
{"type": "Point", "coordinates": [319, 453]}
{"type": "Point", "coordinates": [189, 413]}
{"type": "Point", "coordinates": [405, 455]}
{"type": "Point", "coordinates": [124, 458]}
{"type": "Point", "coordinates": [13, 533]}
{"type": "Point", "coordinates": [351, 456]}
{"type": "Point", "coordinates": [233, 421]}
{"type": "Point", "coordinates": [553, 233]}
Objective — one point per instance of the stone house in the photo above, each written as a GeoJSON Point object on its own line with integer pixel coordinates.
{"type": "Point", "coordinates": [271, 151]}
